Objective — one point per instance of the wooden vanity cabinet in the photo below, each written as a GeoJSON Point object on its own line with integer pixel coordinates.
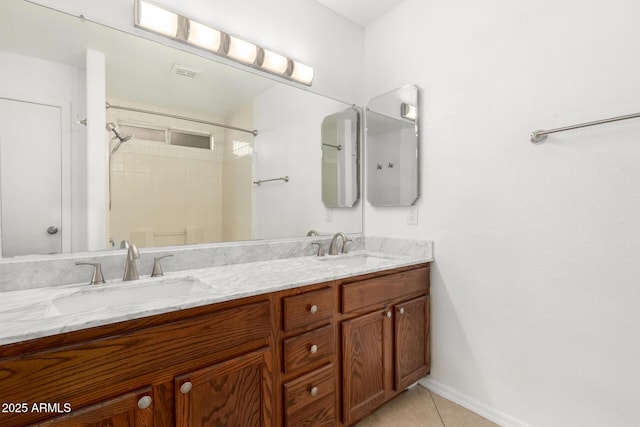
{"type": "Point", "coordinates": [105, 373]}
{"type": "Point", "coordinates": [385, 339]}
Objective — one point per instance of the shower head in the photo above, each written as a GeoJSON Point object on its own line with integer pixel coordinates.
{"type": "Point", "coordinates": [112, 128]}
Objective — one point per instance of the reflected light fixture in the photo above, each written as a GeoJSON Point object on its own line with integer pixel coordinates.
{"type": "Point", "coordinates": [155, 18]}
{"type": "Point", "coordinates": [203, 36]}
{"type": "Point", "coordinates": [408, 111]}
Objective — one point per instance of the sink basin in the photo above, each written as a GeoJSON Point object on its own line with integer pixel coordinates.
{"type": "Point", "coordinates": [126, 294]}
{"type": "Point", "coordinates": [358, 260]}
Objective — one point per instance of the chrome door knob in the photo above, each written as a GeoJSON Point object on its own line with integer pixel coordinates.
{"type": "Point", "coordinates": [144, 402]}
{"type": "Point", "coordinates": [186, 387]}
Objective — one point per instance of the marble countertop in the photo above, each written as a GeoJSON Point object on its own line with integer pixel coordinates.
{"type": "Point", "coordinates": [35, 313]}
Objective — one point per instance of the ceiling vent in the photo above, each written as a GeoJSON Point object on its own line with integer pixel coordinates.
{"type": "Point", "coordinates": [182, 71]}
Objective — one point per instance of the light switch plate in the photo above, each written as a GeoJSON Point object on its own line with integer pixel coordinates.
{"type": "Point", "coordinates": [412, 217]}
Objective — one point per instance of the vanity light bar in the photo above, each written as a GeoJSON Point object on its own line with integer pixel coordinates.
{"type": "Point", "coordinates": [157, 19]}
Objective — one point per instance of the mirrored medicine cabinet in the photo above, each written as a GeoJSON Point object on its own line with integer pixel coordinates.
{"type": "Point", "coordinates": [392, 166]}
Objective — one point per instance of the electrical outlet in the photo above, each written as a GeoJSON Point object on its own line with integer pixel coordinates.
{"type": "Point", "coordinates": [329, 214]}
{"type": "Point", "coordinates": [412, 217]}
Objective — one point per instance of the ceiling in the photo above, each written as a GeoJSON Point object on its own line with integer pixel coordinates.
{"type": "Point", "coordinates": [362, 12]}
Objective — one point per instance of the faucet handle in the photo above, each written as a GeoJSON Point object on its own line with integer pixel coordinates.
{"type": "Point", "coordinates": [97, 278]}
{"type": "Point", "coordinates": [320, 248]}
{"type": "Point", "coordinates": [157, 267]}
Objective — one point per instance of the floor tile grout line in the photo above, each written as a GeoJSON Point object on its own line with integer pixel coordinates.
{"type": "Point", "coordinates": [437, 409]}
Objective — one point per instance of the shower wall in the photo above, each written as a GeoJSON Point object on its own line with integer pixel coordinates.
{"type": "Point", "coordinates": [163, 194]}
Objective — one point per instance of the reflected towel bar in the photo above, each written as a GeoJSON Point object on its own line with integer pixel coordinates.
{"type": "Point", "coordinates": [539, 136]}
{"type": "Point", "coordinates": [282, 178]}
{"type": "Point", "coordinates": [173, 116]}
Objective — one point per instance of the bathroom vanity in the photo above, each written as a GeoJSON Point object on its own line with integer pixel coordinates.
{"type": "Point", "coordinates": [323, 353]}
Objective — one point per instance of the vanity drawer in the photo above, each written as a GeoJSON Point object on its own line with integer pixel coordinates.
{"type": "Point", "coordinates": [307, 308]}
{"type": "Point", "coordinates": [373, 293]}
{"type": "Point", "coordinates": [309, 349]}
{"type": "Point", "coordinates": [311, 397]}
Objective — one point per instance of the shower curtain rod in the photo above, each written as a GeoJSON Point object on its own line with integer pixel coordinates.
{"type": "Point", "coordinates": [173, 116]}
{"type": "Point", "coordinates": [539, 136]}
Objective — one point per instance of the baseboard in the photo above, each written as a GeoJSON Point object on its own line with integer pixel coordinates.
{"type": "Point", "coordinates": [471, 404]}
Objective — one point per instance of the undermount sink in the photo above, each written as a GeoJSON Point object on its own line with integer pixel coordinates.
{"type": "Point", "coordinates": [358, 260]}
{"type": "Point", "coordinates": [126, 294]}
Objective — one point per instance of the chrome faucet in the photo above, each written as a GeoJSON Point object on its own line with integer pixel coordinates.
{"type": "Point", "coordinates": [130, 269]}
{"type": "Point", "coordinates": [333, 247]}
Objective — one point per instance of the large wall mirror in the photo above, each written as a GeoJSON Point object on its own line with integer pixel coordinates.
{"type": "Point", "coordinates": [171, 181]}
{"type": "Point", "coordinates": [392, 148]}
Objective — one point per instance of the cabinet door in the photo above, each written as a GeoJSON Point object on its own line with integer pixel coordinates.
{"type": "Point", "coordinates": [236, 392]}
{"type": "Point", "coordinates": [133, 409]}
{"type": "Point", "coordinates": [363, 364]}
{"type": "Point", "coordinates": [411, 341]}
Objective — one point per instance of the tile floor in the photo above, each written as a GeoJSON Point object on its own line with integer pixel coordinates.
{"type": "Point", "coordinates": [421, 407]}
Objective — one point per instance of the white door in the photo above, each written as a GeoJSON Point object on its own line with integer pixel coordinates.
{"type": "Point", "coordinates": [30, 178]}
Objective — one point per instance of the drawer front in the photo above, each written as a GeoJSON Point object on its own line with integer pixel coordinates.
{"type": "Point", "coordinates": [311, 397]}
{"type": "Point", "coordinates": [374, 293]}
{"type": "Point", "coordinates": [309, 349]}
{"type": "Point", "coordinates": [307, 308]}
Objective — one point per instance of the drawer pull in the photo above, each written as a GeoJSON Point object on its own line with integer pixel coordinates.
{"type": "Point", "coordinates": [314, 391]}
{"type": "Point", "coordinates": [314, 349]}
{"type": "Point", "coordinates": [144, 402]}
{"type": "Point", "coordinates": [402, 310]}
{"type": "Point", "coordinates": [389, 314]}
{"type": "Point", "coordinates": [313, 309]}
{"type": "Point", "coordinates": [186, 387]}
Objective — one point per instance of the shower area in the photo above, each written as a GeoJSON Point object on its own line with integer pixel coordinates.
{"type": "Point", "coordinates": [174, 179]}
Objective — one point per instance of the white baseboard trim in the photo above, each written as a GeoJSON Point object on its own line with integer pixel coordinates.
{"type": "Point", "coordinates": [471, 404]}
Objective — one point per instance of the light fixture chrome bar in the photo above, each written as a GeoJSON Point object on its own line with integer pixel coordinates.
{"type": "Point", "coordinates": [539, 136]}
{"type": "Point", "coordinates": [174, 116]}
{"type": "Point", "coordinates": [282, 178]}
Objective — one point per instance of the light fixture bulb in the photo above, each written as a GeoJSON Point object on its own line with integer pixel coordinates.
{"type": "Point", "coordinates": [274, 62]}
{"type": "Point", "coordinates": [242, 50]}
{"type": "Point", "coordinates": [302, 73]}
{"type": "Point", "coordinates": [408, 111]}
{"type": "Point", "coordinates": [203, 36]}
{"type": "Point", "coordinates": [157, 19]}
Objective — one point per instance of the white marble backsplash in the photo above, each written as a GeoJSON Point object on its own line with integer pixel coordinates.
{"type": "Point", "coordinates": [31, 272]}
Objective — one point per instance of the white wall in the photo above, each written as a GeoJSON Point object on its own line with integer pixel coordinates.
{"type": "Point", "coordinates": [288, 144]}
{"type": "Point", "coordinates": [536, 281]}
{"type": "Point", "coordinates": [303, 30]}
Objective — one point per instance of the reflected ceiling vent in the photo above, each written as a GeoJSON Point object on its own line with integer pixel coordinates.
{"type": "Point", "coordinates": [182, 71]}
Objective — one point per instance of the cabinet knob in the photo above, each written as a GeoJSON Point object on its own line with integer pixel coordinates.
{"type": "Point", "coordinates": [313, 309]}
{"type": "Point", "coordinates": [389, 314]}
{"type": "Point", "coordinates": [314, 391]}
{"type": "Point", "coordinates": [401, 310]}
{"type": "Point", "coordinates": [314, 349]}
{"type": "Point", "coordinates": [144, 402]}
{"type": "Point", "coordinates": [186, 387]}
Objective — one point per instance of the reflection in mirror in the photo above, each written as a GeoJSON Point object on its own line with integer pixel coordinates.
{"type": "Point", "coordinates": [341, 159]}
{"type": "Point", "coordinates": [392, 148]}
{"type": "Point", "coordinates": [176, 180]}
